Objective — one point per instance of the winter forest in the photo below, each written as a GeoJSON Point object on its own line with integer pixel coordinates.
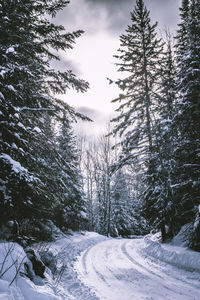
{"type": "Point", "coordinates": [143, 174]}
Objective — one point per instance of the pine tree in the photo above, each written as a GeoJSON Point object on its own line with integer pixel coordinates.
{"type": "Point", "coordinates": [28, 41]}
{"type": "Point", "coordinates": [159, 204]}
{"type": "Point", "coordinates": [187, 119]}
{"type": "Point", "coordinates": [140, 56]}
{"type": "Point", "coordinates": [182, 36]}
{"type": "Point", "coordinates": [140, 50]}
{"type": "Point", "coordinates": [72, 206]}
{"type": "Point", "coordinates": [121, 220]}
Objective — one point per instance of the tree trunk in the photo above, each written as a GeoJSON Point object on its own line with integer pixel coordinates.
{"type": "Point", "coordinates": [163, 232]}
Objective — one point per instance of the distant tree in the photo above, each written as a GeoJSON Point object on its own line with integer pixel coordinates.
{"type": "Point", "coordinates": [113, 206]}
{"type": "Point", "coordinates": [72, 202]}
{"type": "Point", "coordinates": [91, 180]}
{"type": "Point", "coordinates": [121, 218]}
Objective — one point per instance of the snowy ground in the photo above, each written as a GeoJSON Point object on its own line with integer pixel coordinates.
{"type": "Point", "coordinates": [122, 269]}
{"type": "Point", "coordinates": [95, 267]}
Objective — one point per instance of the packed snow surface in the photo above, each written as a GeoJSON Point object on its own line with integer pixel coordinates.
{"type": "Point", "coordinates": [135, 269]}
{"type": "Point", "coordinates": [96, 267]}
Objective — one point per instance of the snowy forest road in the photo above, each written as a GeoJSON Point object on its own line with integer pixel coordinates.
{"type": "Point", "coordinates": [118, 269]}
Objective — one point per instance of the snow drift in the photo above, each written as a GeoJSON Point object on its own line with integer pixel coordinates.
{"type": "Point", "coordinates": [174, 255]}
{"type": "Point", "coordinates": [14, 283]}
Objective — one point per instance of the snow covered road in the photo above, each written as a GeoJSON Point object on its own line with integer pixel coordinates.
{"type": "Point", "coordinates": [119, 269]}
{"type": "Point", "coordinates": [92, 267]}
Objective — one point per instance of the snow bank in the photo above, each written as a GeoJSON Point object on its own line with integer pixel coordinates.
{"type": "Point", "coordinates": [183, 236]}
{"type": "Point", "coordinates": [66, 250]}
{"type": "Point", "coordinates": [14, 285]}
{"type": "Point", "coordinates": [61, 283]}
{"type": "Point", "coordinates": [174, 255]}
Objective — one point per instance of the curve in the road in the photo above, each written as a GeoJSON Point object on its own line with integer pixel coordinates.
{"type": "Point", "coordinates": [116, 270]}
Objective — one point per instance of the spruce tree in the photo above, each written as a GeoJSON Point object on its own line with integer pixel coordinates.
{"type": "Point", "coordinates": [159, 204]}
{"type": "Point", "coordinates": [182, 36]}
{"type": "Point", "coordinates": [28, 43]}
{"type": "Point", "coordinates": [71, 207]}
{"type": "Point", "coordinates": [140, 55]}
{"type": "Point", "coordinates": [121, 218]}
{"type": "Point", "coordinates": [187, 119]}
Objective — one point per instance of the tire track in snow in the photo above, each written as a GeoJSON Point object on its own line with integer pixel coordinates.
{"type": "Point", "coordinates": [161, 274]}
{"type": "Point", "coordinates": [143, 268]}
{"type": "Point", "coordinates": [86, 261]}
{"type": "Point", "coordinates": [101, 276]}
{"type": "Point", "coordinates": [112, 270]}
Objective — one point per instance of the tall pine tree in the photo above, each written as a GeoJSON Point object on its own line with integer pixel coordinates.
{"type": "Point", "coordinates": [28, 43]}
{"type": "Point", "coordinates": [139, 56]}
{"type": "Point", "coordinates": [187, 119]}
{"type": "Point", "coordinates": [140, 61]}
{"type": "Point", "coordinates": [72, 207]}
{"type": "Point", "coordinates": [159, 201]}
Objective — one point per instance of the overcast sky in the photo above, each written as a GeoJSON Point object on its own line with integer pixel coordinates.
{"type": "Point", "coordinates": [92, 57]}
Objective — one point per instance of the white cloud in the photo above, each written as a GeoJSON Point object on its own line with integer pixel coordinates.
{"type": "Point", "coordinates": [92, 57]}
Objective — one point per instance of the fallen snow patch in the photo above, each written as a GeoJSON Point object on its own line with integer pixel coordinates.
{"type": "Point", "coordinates": [16, 166]}
{"type": "Point", "coordinates": [37, 129]}
{"type": "Point", "coordinates": [10, 50]}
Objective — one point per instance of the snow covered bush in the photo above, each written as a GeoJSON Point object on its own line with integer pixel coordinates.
{"type": "Point", "coordinates": [39, 230]}
{"type": "Point", "coordinates": [49, 260]}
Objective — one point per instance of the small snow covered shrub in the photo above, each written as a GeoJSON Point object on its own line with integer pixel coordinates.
{"type": "Point", "coordinates": [36, 230]}
{"type": "Point", "coordinates": [184, 236]}
{"type": "Point", "coordinates": [52, 261]}
{"type": "Point", "coordinates": [9, 231]}
{"type": "Point", "coordinates": [38, 266]}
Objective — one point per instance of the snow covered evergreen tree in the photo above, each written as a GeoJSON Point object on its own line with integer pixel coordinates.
{"type": "Point", "coordinates": [140, 56]}
{"type": "Point", "coordinates": [121, 218]}
{"type": "Point", "coordinates": [28, 42]}
{"type": "Point", "coordinates": [159, 202]}
{"type": "Point", "coordinates": [187, 120]}
{"type": "Point", "coordinates": [182, 36]}
{"type": "Point", "coordinates": [71, 207]}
